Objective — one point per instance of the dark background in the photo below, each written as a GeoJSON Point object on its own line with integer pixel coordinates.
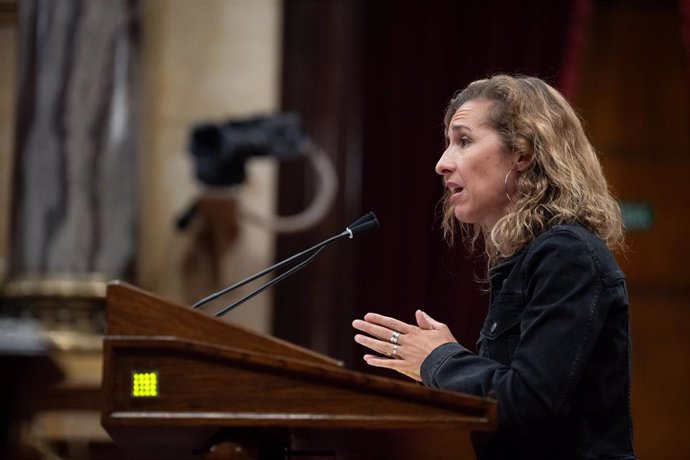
{"type": "Point", "coordinates": [372, 80]}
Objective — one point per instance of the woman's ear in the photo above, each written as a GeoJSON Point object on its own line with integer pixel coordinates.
{"type": "Point", "coordinates": [521, 161]}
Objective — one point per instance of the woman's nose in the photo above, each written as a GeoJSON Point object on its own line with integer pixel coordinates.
{"type": "Point", "coordinates": [444, 165]}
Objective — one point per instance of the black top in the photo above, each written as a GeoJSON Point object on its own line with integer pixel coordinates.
{"type": "Point", "coordinates": [554, 351]}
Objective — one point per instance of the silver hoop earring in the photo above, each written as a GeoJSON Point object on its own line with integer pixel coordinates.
{"type": "Point", "coordinates": [505, 182]}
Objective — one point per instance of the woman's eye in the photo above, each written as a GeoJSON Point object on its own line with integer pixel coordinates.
{"type": "Point", "coordinates": [464, 142]}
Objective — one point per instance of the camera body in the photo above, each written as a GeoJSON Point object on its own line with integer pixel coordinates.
{"type": "Point", "coordinates": [220, 151]}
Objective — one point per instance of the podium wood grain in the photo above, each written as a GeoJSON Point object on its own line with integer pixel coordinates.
{"type": "Point", "coordinates": [219, 383]}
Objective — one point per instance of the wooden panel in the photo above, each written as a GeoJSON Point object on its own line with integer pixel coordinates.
{"type": "Point", "coordinates": [218, 385]}
{"type": "Point", "coordinates": [217, 392]}
{"type": "Point", "coordinates": [657, 256]}
{"type": "Point", "coordinates": [638, 114]}
{"type": "Point", "coordinates": [205, 385]}
{"type": "Point", "coordinates": [661, 375]}
{"type": "Point", "coordinates": [132, 312]}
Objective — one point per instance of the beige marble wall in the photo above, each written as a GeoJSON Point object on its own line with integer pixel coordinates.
{"type": "Point", "coordinates": [8, 43]}
{"type": "Point", "coordinates": [204, 60]}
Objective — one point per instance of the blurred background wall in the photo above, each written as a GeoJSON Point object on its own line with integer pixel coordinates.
{"type": "Point", "coordinates": [371, 80]}
{"type": "Point", "coordinates": [224, 65]}
{"type": "Point", "coordinates": [97, 102]}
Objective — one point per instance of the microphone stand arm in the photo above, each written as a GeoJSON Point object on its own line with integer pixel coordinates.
{"type": "Point", "coordinates": [346, 233]}
{"type": "Point", "coordinates": [262, 288]}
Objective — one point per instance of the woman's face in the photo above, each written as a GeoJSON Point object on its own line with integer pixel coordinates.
{"type": "Point", "coordinates": [475, 165]}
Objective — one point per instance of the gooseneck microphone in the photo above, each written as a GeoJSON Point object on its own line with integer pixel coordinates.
{"type": "Point", "coordinates": [363, 225]}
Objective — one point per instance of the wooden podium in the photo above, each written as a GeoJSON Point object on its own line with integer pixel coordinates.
{"type": "Point", "coordinates": [179, 384]}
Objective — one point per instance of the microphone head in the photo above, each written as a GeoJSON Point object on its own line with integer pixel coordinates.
{"type": "Point", "coordinates": [364, 224]}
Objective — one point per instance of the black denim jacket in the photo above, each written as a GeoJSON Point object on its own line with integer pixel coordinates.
{"type": "Point", "coordinates": [554, 351]}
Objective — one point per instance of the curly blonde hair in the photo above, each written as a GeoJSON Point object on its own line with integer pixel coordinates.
{"type": "Point", "coordinates": [563, 183]}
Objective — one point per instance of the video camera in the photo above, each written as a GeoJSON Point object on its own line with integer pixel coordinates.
{"type": "Point", "coordinates": [221, 150]}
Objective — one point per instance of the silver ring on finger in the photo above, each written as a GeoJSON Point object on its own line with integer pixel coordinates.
{"type": "Point", "coordinates": [394, 353]}
{"type": "Point", "coordinates": [394, 337]}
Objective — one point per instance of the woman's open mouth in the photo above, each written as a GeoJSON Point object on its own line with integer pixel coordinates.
{"type": "Point", "coordinates": [455, 193]}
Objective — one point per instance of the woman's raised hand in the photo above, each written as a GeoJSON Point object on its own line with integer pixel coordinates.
{"type": "Point", "coordinates": [401, 346]}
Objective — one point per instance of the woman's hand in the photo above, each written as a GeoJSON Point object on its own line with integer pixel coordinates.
{"type": "Point", "coordinates": [401, 346]}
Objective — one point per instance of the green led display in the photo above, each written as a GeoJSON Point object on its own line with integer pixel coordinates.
{"type": "Point", "coordinates": [144, 384]}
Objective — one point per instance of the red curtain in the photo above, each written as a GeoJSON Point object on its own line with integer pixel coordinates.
{"type": "Point", "coordinates": [574, 47]}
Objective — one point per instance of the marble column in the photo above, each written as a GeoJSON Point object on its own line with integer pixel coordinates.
{"type": "Point", "coordinates": [75, 179]}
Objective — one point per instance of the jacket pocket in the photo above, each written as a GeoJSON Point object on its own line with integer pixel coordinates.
{"type": "Point", "coordinates": [500, 335]}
